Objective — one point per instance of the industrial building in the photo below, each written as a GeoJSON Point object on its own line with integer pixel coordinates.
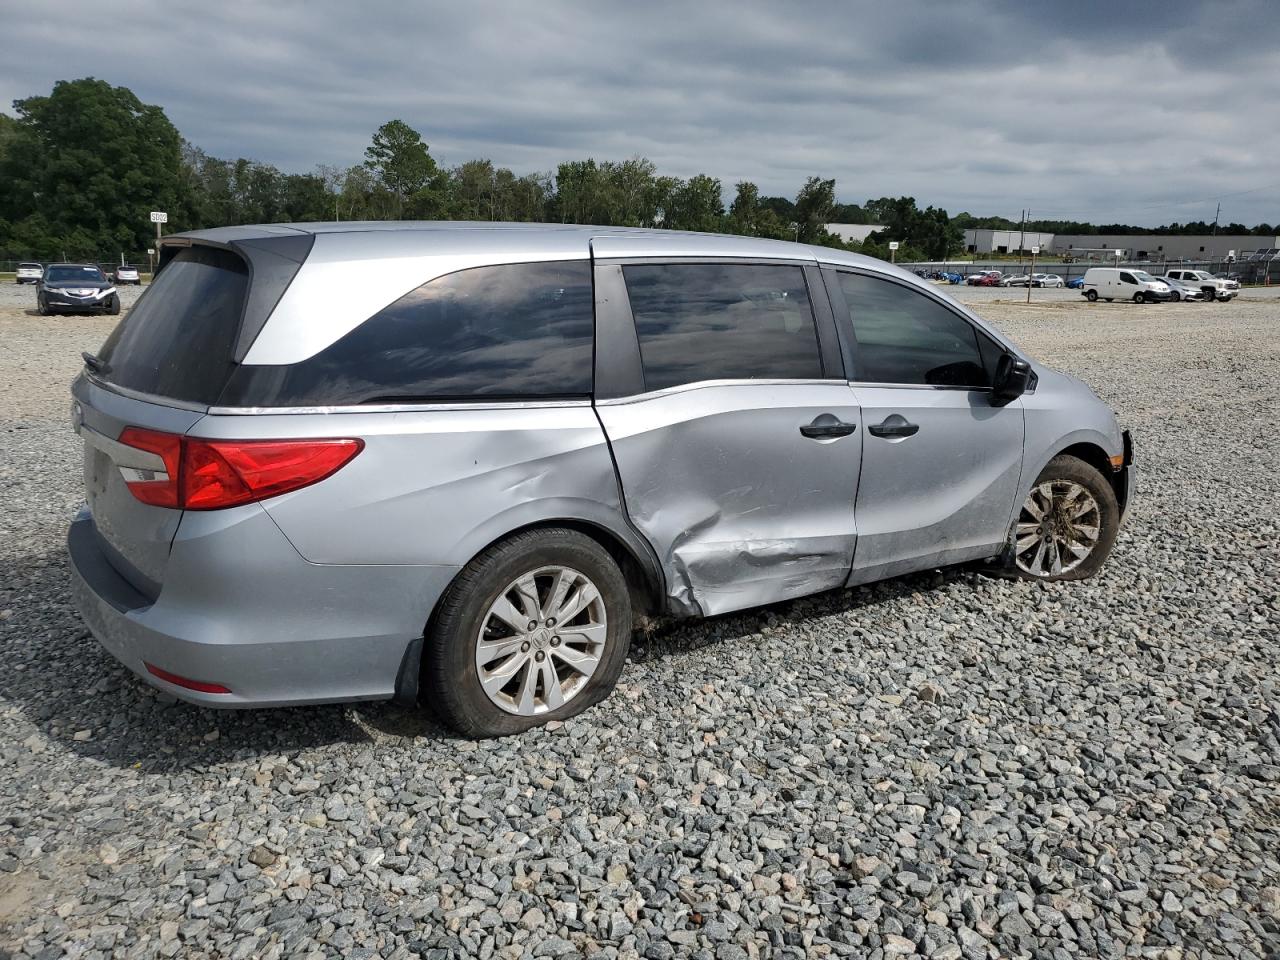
{"type": "Point", "coordinates": [1160, 247]}
{"type": "Point", "coordinates": [1006, 241]}
{"type": "Point", "coordinates": [853, 232]}
{"type": "Point", "coordinates": [1095, 246]}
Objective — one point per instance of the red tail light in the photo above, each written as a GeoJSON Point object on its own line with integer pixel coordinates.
{"type": "Point", "coordinates": [215, 474]}
{"type": "Point", "coordinates": [200, 685]}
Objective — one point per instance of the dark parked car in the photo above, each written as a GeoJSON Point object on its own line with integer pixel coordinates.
{"type": "Point", "coordinates": [76, 288]}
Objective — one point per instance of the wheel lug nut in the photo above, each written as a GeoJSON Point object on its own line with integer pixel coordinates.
{"type": "Point", "coordinates": [555, 641]}
{"type": "Point", "coordinates": [524, 647]}
{"type": "Point", "coordinates": [551, 621]}
{"type": "Point", "coordinates": [540, 656]}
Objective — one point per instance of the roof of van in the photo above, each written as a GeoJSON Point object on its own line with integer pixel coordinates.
{"type": "Point", "coordinates": [440, 236]}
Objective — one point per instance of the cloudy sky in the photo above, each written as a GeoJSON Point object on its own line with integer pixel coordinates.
{"type": "Point", "coordinates": [1144, 112]}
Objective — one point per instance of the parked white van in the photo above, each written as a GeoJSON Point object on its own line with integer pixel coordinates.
{"type": "Point", "coordinates": [1113, 283]}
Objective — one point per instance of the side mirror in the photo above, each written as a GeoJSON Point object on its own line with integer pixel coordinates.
{"type": "Point", "coordinates": [1013, 377]}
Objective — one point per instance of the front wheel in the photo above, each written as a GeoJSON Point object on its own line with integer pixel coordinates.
{"type": "Point", "coordinates": [1175, 296]}
{"type": "Point", "coordinates": [113, 305]}
{"type": "Point", "coordinates": [1139, 297]}
{"type": "Point", "coordinates": [534, 629]}
{"type": "Point", "coordinates": [1068, 523]}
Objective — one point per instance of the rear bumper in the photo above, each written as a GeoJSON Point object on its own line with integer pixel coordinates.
{"type": "Point", "coordinates": [258, 619]}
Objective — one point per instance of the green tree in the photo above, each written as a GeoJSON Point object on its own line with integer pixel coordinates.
{"type": "Point", "coordinates": [744, 212]}
{"type": "Point", "coordinates": [404, 166]}
{"type": "Point", "coordinates": [814, 205]}
{"type": "Point", "coordinates": [84, 166]}
{"type": "Point", "coordinates": [697, 204]}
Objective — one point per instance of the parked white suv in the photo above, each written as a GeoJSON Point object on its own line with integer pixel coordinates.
{"type": "Point", "coordinates": [29, 273]}
{"type": "Point", "coordinates": [1213, 288]}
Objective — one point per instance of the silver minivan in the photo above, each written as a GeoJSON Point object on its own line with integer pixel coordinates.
{"type": "Point", "coordinates": [453, 462]}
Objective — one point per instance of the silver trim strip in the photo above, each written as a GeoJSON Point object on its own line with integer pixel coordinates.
{"type": "Point", "coordinates": [425, 406]}
{"type": "Point", "coordinates": [124, 456]}
{"type": "Point", "coordinates": [145, 397]}
{"type": "Point", "coordinates": [707, 384]}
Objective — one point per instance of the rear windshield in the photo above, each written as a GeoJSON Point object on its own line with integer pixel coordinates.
{"type": "Point", "coordinates": [177, 342]}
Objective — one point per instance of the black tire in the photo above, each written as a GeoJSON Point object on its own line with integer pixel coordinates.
{"type": "Point", "coordinates": [1139, 297]}
{"type": "Point", "coordinates": [450, 677]}
{"type": "Point", "coordinates": [1175, 296]}
{"type": "Point", "coordinates": [40, 307]}
{"type": "Point", "coordinates": [113, 305]}
{"type": "Point", "coordinates": [1091, 296]}
{"type": "Point", "coordinates": [1068, 468]}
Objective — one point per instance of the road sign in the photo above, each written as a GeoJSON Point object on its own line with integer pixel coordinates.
{"type": "Point", "coordinates": [151, 251]}
{"type": "Point", "coordinates": [1119, 254]}
{"type": "Point", "coordinates": [159, 216]}
{"type": "Point", "coordinates": [893, 244]}
{"type": "Point", "coordinates": [1035, 250]}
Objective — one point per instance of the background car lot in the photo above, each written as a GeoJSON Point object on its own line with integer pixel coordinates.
{"type": "Point", "coordinates": [943, 763]}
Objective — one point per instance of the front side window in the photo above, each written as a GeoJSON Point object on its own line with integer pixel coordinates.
{"type": "Point", "coordinates": [1127, 278]}
{"type": "Point", "coordinates": [519, 331]}
{"type": "Point", "coordinates": [902, 336]}
{"type": "Point", "coordinates": [713, 321]}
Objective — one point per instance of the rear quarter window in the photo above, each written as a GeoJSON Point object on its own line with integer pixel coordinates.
{"type": "Point", "coordinates": [177, 341]}
{"type": "Point", "coordinates": [514, 331]}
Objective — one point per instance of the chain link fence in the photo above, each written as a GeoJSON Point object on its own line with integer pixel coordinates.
{"type": "Point", "coordinates": [1247, 272]}
{"type": "Point", "coordinates": [107, 261]}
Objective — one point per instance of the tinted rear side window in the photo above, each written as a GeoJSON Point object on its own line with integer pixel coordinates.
{"type": "Point", "coordinates": [722, 322]}
{"type": "Point", "coordinates": [177, 341]}
{"type": "Point", "coordinates": [514, 331]}
{"type": "Point", "coordinates": [903, 336]}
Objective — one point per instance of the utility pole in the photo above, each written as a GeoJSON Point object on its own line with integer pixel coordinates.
{"type": "Point", "coordinates": [1216, 214]}
{"type": "Point", "coordinates": [1022, 238]}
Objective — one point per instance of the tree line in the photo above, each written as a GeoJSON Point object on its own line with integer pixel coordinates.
{"type": "Point", "coordinates": [81, 168]}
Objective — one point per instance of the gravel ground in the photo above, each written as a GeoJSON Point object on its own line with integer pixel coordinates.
{"type": "Point", "coordinates": [944, 765]}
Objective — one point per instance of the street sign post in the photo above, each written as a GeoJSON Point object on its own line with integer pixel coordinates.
{"type": "Point", "coordinates": [893, 251]}
{"type": "Point", "coordinates": [1034, 251]}
{"type": "Point", "coordinates": [158, 217]}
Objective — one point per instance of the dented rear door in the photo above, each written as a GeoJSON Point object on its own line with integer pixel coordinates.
{"type": "Point", "coordinates": [737, 445]}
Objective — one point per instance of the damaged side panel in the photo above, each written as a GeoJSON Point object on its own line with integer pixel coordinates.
{"type": "Point", "coordinates": [741, 508]}
{"type": "Point", "coordinates": [942, 495]}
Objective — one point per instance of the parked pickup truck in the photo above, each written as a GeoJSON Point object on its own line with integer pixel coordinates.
{"type": "Point", "coordinates": [1212, 287]}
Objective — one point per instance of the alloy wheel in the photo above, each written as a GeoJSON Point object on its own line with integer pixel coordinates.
{"type": "Point", "coordinates": [541, 640]}
{"type": "Point", "coordinates": [1057, 529]}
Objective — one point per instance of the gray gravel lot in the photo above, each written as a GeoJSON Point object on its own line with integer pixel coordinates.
{"type": "Point", "coordinates": [945, 765]}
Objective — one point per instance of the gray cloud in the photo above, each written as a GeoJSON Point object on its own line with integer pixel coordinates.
{"type": "Point", "coordinates": [1095, 110]}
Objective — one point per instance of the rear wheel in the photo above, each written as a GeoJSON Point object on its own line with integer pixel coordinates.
{"type": "Point", "coordinates": [534, 629]}
{"type": "Point", "coordinates": [1068, 523]}
{"type": "Point", "coordinates": [1091, 296]}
